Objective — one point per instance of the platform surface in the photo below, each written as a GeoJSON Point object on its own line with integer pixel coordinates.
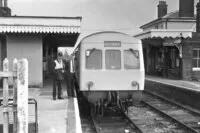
{"type": "Point", "coordinates": [185, 92]}
{"type": "Point", "coordinates": [54, 116]}
{"type": "Point", "coordinates": [191, 85]}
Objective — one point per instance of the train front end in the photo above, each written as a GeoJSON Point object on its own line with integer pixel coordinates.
{"type": "Point", "coordinates": [111, 68]}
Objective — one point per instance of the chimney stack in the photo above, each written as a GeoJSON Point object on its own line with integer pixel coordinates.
{"type": "Point", "coordinates": [1, 3]}
{"type": "Point", "coordinates": [4, 9]}
{"type": "Point", "coordinates": [162, 9]}
{"type": "Point", "coordinates": [186, 8]}
{"type": "Point", "coordinates": [5, 3]}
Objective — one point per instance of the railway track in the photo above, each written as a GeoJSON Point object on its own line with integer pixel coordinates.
{"type": "Point", "coordinates": [185, 117]}
{"type": "Point", "coordinates": [111, 122]}
{"type": "Point", "coordinates": [154, 115]}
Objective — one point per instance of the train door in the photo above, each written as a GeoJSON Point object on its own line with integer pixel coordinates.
{"type": "Point", "coordinates": [145, 58]}
{"type": "Point", "coordinates": [0, 55]}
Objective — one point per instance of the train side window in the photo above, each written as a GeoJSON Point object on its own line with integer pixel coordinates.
{"type": "Point", "coordinates": [131, 59]}
{"type": "Point", "coordinates": [113, 59]}
{"type": "Point", "coordinates": [93, 59]}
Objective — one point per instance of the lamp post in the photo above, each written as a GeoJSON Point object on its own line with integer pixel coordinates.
{"type": "Point", "coordinates": [179, 44]}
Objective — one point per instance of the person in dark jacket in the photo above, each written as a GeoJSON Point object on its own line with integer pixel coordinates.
{"type": "Point", "coordinates": [58, 76]}
{"type": "Point", "coordinates": [69, 79]}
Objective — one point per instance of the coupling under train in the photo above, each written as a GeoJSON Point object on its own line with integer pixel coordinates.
{"type": "Point", "coordinates": [109, 69]}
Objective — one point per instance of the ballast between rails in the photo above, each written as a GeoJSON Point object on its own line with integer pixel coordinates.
{"type": "Point", "coordinates": [171, 103]}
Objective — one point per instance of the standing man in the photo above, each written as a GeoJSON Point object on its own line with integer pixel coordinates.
{"type": "Point", "coordinates": [58, 76]}
{"type": "Point", "coordinates": [69, 79]}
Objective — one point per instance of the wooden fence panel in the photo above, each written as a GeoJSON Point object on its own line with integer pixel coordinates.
{"type": "Point", "coordinates": [22, 96]}
{"type": "Point", "coordinates": [15, 97]}
{"type": "Point", "coordinates": [5, 97]}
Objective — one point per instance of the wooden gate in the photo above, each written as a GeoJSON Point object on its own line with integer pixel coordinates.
{"type": "Point", "coordinates": [19, 108]}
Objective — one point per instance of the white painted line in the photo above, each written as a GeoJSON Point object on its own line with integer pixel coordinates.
{"type": "Point", "coordinates": [78, 121]}
{"type": "Point", "coordinates": [197, 85]}
{"type": "Point", "coordinates": [188, 88]}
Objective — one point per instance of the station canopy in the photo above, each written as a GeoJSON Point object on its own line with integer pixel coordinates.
{"type": "Point", "coordinates": [165, 33]}
{"type": "Point", "coordinates": [62, 30]}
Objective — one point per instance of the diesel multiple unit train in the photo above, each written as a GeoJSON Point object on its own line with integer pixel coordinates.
{"type": "Point", "coordinates": [109, 69]}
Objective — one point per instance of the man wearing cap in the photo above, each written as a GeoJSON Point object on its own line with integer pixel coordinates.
{"type": "Point", "coordinates": [58, 76]}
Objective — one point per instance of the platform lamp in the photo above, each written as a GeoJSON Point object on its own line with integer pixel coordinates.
{"type": "Point", "coordinates": [178, 42]}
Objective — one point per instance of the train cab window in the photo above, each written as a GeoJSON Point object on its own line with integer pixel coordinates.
{"type": "Point", "coordinates": [93, 59]}
{"type": "Point", "coordinates": [131, 59]}
{"type": "Point", "coordinates": [113, 59]}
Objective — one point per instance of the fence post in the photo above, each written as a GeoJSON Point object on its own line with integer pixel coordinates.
{"type": "Point", "coordinates": [15, 97]}
{"type": "Point", "coordinates": [22, 96]}
{"type": "Point", "coordinates": [5, 97]}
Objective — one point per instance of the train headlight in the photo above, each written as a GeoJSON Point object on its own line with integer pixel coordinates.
{"type": "Point", "coordinates": [135, 84]}
{"type": "Point", "coordinates": [88, 53]}
{"type": "Point", "coordinates": [90, 84]}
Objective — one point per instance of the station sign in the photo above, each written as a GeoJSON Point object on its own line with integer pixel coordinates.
{"type": "Point", "coordinates": [168, 42]}
{"type": "Point", "coordinates": [112, 44]}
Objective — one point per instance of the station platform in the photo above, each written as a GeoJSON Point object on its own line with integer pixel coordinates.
{"type": "Point", "coordinates": [182, 91]}
{"type": "Point", "coordinates": [54, 116]}
{"type": "Point", "coordinates": [191, 85]}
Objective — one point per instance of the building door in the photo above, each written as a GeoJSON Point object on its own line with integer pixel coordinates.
{"type": "Point", "coordinates": [173, 65]}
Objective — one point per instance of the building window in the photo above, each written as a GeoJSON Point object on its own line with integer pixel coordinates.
{"type": "Point", "coordinates": [113, 59]}
{"type": "Point", "coordinates": [93, 59]}
{"type": "Point", "coordinates": [196, 59]}
{"type": "Point", "coordinates": [131, 59]}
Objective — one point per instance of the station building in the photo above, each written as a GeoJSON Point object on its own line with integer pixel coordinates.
{"type": "Point", "coordinates": [35, 38]}
{"type": "Point", "coordinates": [169, 47]}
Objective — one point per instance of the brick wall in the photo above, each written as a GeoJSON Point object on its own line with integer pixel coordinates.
{"type": "Point", "coordinates": [187, 60]}
{"type": "Point", "coordinates": [196, 74]}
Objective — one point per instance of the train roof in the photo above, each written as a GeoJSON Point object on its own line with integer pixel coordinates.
{"type": "Point", "coordinates": [110, 36]}
{"type": "Point", "coordinates": [100, 37]}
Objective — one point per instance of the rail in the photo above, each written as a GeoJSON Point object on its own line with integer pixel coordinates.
{"type": "Point", "coordinates": [131, 122]}
{"type": "Point", "coordinates": [173, 102]}
{"type": "Point", "coordinates": [170, 102]}
{"type": "Point", "coordinates": [175, 120]}
{"type": "Point", "coordinates": [95, 125]}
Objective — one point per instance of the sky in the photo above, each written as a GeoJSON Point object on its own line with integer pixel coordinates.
{"type": "Point", "coordinates": [119, 15]}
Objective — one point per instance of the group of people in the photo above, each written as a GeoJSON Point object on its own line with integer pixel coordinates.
{"type": "Point", "coordinates": [61, 73]}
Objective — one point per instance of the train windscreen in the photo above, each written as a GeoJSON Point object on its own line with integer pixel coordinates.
{"type": "Point", "coordinates": [131, 59]}
{"type": "Point", "coordinates": [93, 59]}
{"type": "Point", "coordinates": [113, 59]}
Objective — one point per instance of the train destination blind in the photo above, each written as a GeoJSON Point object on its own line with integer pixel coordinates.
{"type": "Point", "coordinates": [112, 44]}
